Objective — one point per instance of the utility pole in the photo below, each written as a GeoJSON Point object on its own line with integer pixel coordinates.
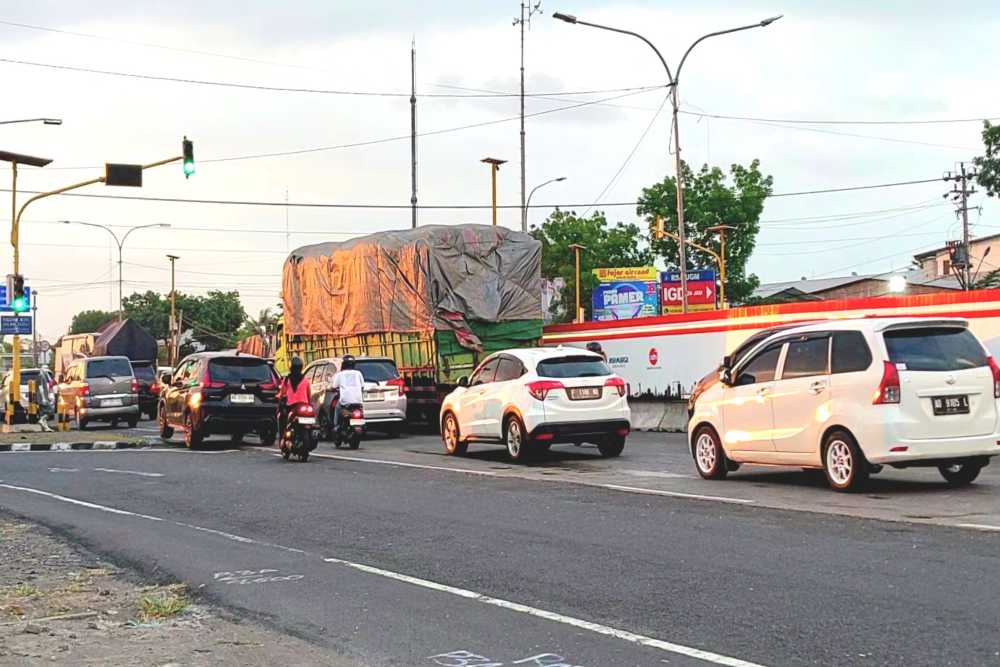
{"type": "Point", "coordinates": [34, 326]}
{"type": "Point", "coordinates": [413, 131]}
{"type": "Point", "coordinates": [173, 312]}
{"type": "Point", "coordinates": [576, 248]}
{"type": "Point", "coordinates": [494, 167]}
{"type": "Point", "coordinates": [721, 230]}
{"type": "Point", "coordinates": [960, 196]}
{"type": "Point", "coordinates": [524, 21]}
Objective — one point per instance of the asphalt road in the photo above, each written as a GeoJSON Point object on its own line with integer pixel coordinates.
{"type": "Point", "coordinates": [434, 561]}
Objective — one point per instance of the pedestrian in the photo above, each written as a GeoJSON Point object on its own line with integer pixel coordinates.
{"type": "Point", "coordinates": [595, 347]}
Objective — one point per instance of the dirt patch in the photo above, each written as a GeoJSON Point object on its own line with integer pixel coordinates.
{"type": "Point", "coordinates": [64, 606]}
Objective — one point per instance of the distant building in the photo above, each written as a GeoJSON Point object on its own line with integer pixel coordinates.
{"type": "Point", "coordinates": [938, 263]}
{"type": "Point", "coordinates": [853, 287]}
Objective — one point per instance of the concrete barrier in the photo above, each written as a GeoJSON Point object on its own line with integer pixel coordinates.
{"type": "Point", "coordinates": [659, 415]}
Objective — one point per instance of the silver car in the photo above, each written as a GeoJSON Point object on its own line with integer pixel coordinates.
{"type": "Point", "coordinates": [384, 397]}
{"type": "Point", "coordinates": [101, 389]}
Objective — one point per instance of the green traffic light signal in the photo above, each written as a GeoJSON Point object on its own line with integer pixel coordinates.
{"type": "Point", "coordinates": [188, 151]}
{"type": "Point", "coordinates": [19, 304]}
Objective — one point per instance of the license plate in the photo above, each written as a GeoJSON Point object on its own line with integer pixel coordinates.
{"type": "Point", "coordinates": [584, 393]}
{"type": "Point", "coordinates": [357, 422]}
{"type": "Point", "coordinates": [308, 421]}
{"type": "Point", "coordinates": [241, 398]}
{"type": "Point", "coordinates": [112, 403]}
{"type": "Point", "coordinates": [950, 405]}
{"type": "Point", "coordinates": [374, 397]}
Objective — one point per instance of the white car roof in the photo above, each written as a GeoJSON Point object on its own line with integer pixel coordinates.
{"type": "Point", "coordinates": [535, 354]}
{"type": "Point", "coordinates": [872, 324]}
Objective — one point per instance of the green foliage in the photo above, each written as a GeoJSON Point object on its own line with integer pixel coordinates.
{"type": "Point", "coordinates": [989, 164]}
{"type": "Point", "coordinates": [216, 318]}
{"type": "Point", "coordinates": [709, 199]}
{"type": "Point", "coordinates": [606, 246]}
{"type": "Point", "coordinates": [89, 321]}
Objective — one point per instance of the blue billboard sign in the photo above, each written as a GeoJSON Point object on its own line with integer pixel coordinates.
{"type": "Point", "coordinates": [625, 300]}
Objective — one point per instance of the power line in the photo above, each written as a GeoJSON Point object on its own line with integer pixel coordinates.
{"type": "Point", "coordinates": [862, 136]}
{"type": "Point", "coordinates": [837, 122]}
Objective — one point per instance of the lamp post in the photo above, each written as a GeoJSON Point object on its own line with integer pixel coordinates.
{"type": "Point", "coordinates": [576, 248]}
{"type": "Point", "coordinates": [46, 121]}
{"type": "Point", "coordinates": [524, 213]}
{"type": "Point", "coordinates": [121, 243]}
{"type": "Point", "coordinates": [494, 167]}
{"type": "Point", "coordinates": [674, 81]}
{"type": "Point", "coordinates": [721, 230]}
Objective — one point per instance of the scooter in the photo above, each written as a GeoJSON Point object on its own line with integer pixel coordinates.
{"type": "Point", "coordinates": [299, 437]}
{"type": "Point", "coordinates": [350, 427]}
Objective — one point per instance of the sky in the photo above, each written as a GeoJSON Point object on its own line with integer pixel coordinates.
{"type": "Point", "coordinates": [833, 61]}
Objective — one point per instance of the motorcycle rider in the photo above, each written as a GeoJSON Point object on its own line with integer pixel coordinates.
{"type": "Point", "coordinates": [348, 383]}
{"type": "Point", "coordinates": [295, 390]}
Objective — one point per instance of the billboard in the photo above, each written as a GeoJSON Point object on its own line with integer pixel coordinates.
{"type": "Point", "coordinates": [627, 274]}
{"type": "Point", "coordinates": [701, 289]}
{"type": "Point", "coordinates": [625, 300]}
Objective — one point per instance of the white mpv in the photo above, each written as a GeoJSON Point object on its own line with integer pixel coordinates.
{"type": "Point", "coordinates": [529, 399]}
{"type": "Point", "coordinates": [852, 396]}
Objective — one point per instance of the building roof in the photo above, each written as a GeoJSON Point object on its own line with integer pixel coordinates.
{"type": "Point", "coordinates": [807, 290]}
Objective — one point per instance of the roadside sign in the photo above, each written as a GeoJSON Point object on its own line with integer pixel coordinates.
{"type": "Point", "coordinates": [4, 305]}
{"type": "Point", "coordinates": [701, 288]}
{"type": "Point", "coordinates": [628, 274]}
{"type": "Point", "coordinates": [625, 300]}
{"type": "Point", "coordinates": [15, 325]}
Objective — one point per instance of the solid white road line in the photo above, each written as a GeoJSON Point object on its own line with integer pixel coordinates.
{"type": "Point", "coordinates": [979, 526]}
{"type": "Point", "coordinates": [625, 635]}
{"type": "Point", "coordinates": [676, 494]}
{"type": "Point", "coordinates": [400, 464]}
{"type": "Point", "coordinates": [129, 472]}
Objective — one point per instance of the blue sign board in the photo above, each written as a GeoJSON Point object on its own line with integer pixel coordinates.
{"type": "Point", "coordinates": [702, 275]}
{"type": "Point", "coordinates": [4, 305]}
{"type": "Point", "coordinates": [625, 300]}
{"type": "Point", "coordinates": [15, 325]}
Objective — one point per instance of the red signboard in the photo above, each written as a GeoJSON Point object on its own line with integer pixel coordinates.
{"type": "Point", "coordinates": [701, 296]}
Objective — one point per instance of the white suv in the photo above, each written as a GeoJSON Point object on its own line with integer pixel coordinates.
{"type": "Point", "coordinates": [852, 396]}
{"type": "Point", "coordinates": [530, 399]}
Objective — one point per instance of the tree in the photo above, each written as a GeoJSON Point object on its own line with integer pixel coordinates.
{"type": "Point", "coordinates": [215, 318]}
{"type": "Point", "coordinates": [89, 321]}
{"type": "Point", "coordinates": [989, 164]}
{"type": "Point", "coordinates": [710, 200]}
{"type": "Point", "coordinates": [607, 246]}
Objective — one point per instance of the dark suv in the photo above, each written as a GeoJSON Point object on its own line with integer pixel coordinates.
{"type": "Point", "coordinates": [220, 393]}
{"type": "Point", "coordinates": [145, 375]}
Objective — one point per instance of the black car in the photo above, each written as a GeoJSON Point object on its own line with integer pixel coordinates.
{"type": "Point", "coordinates": [220, 393]}
{"type": "Point", "coordinates": [145, 374]}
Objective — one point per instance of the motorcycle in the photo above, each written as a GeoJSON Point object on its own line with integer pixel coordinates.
{"type": "Point", "coordinates": [299, 437]}
{"type": "Point", "coordinates": [350, 427]}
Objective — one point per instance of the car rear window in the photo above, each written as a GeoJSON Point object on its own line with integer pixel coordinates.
{"type": "Point", "coordinates": [144, 372]}
{"type": "Point", "coordinates": [377, 370]}
{"type": "Point", "coordinates": [934, 349]}
{"type": "Point", "coordinates": [109, 368]}
{"type": "Point", "coordinates": [577, 366]}
{"type": "Point", "coordinates": [238, 371]}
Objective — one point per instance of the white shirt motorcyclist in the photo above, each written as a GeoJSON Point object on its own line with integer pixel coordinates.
{"type": "Point", "coordinates": [350, 383]}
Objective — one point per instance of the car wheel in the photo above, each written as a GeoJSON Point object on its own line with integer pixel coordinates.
{"type": "Point", "coordinates": [267, 434]}
{"type": "Point", "coordinates": [709, 457]}
{"type": "Point", "coordinates": [81, 422]}
{"type": "Point", "coordinates": [236, 438]}
{"type": "Point", "coordinates": [133, 421]}
{"type": "Point", "coordinates": [325, 425]}
{"type": "Point", "coordinates": [451, 437]}
{"type": "Point", "coordinates": [845, 465]}
{"type": "Point", "coordinates": [518, 447]}
{"type": "Point", "coordinates": [192, 436]}
{"type": "Point", "coordinates": [960, 473]}
{"type": "Point", "coordinates": [611, 447]}
{"type": "Point", "coordinates": [114, 423]}
{"type": "Point", "coordinates": [166, 431]}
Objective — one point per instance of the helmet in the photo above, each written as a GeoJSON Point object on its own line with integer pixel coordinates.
{"type": "Point", "coordinates": [595, 347]}
{"type": "Point", "coordinates": [347, 363]}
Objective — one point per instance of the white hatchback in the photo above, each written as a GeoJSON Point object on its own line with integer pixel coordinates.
{"type": "Point", "coordinates": [852, 396]}
{"type": "Point", "coordinates": [529, 399]}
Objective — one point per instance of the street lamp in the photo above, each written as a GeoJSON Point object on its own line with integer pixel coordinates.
{"type": "Point", "coordinates": [674, 81]}
{"type": "Point", "coordinates": [494, 166]}
{"type": "Point", "coordinates": [121, 243]}
{"type": "Point", "coordinates": [47, 121]}
{"type": "Point", "coordinates": [524, 213]}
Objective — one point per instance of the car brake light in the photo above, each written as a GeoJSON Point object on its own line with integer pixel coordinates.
{"type": "Point", "coordinates": [996, 377]}
{"type": "Point", "coordinates": [306, 410]}
{"type": "Point", "coordinates": [888, 389]}
{"type": "Point", "coordinates": [85, 389]}
{"type": "Point", "coordinates": [545, 436]}
{"type": "Point", "coordinates": [154, 389]}
{"type": "Point", "coordinates": [398, 383]}
{"type": "Point", "coordinates": [269, 386]}
{"type": "Point", "coordinates": [135, 386]}
{"type": "Point", "coordinates": [617, 383]}
{"type": "Point", "coordinates": [206, 382]}
{"type": "Point", "coordinates": [357, 414]}
{"type": "Point", "coordinates": [541, 388]}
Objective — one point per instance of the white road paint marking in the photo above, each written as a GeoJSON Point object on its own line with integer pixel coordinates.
{"type": "Point", "coordinates": [979, 526]}
{"type": "Point", "coordinates": [64, 470]}
{"type": "Point", "coordinates": [129, 472]}
{"type": "Point", "coordinates": [625, 635]}
{"type": "Point", "coordinates": [676, 494]}
{"type": "Point", "coordinates": [21, 447]}
{"type": "Point", "coordinates": [656, 473]}
{"type": "Point", "coordinates": [361, 459]}
{"type": "Point", "coordinates": [60, 447]}
{"type": "Point", "coordinates": [245, 577]}
{"type": "Point", "coordinates": [105, 444]}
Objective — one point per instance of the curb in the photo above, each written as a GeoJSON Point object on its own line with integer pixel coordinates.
{"type": "Point", "coordinates": [71, 446]}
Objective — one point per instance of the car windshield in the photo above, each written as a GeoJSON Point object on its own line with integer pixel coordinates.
{"type": "Point", "coordinates": [144, 373]}
{"type": "Point", "coordinates": [934, 349]}
{"type": "Point", "coordinates": [577, 366]}
{"type": "Point", "coordinates": [98, 368]}
{"type": "Point", "coordinates": [235, 370]}
{"type": "Point", "coordinates": [377, 370]}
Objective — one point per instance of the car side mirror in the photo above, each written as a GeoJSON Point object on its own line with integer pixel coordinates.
{"type": "Point", "coordinates": [167, 379]}
{"type": "Point", "coordinates": [726, 377]}
{"type": "Point", "coordinates": [463, 381]}
{"type": "Point", "coordinates": [727, 361]}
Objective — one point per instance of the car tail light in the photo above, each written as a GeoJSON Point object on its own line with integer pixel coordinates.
{"type": "Point", "coordinates": [545, 436]}
{"type": "Point", "coordinates": [357, 413]}
{"type": "Point", "coordinates": [154, 389]}
{"type": "Point", "coordinates": [135, 386]}
{"type": "Point", "coordinates": [996, 377]}
{"type": "Point", "coordinates": [207, 383]}
{"type": "Point", "coordinates": [617, 383]}
{"type": "Point", "coordinates": [888, 389]}
{"type": "Point", "coordinates": [305, 410]}
{"type": "Point", "coordinates": [269, 386]}
{"type": "Point", "coordinates": [85, 389]}
{"type": "Point", "coordinates": [623, 431]}
{"type": "Point", "coordinates": [398, 383]}
{"type": "Point", "coordinates": [541, 388]}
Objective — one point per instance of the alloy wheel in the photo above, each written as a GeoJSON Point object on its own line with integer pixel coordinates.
{"type": "Point", "coordinates": [840, 462]}
{"type": "Point", "coordinates": [514, 438]}
{"type": "Point", "coordinates": [705, 453]}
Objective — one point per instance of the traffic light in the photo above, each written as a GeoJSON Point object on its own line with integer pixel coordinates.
{"type": "Point", "coordinates": [18, 302]}
{"type": "Point", "coordinates": [188, 146]}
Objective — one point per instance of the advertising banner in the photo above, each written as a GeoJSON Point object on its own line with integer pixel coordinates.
{"type": "Point", "coordinates": [627, 274]}
{"type": "Point", "coordinates": [625, 300]}
{"type": "Point", "coordinates": [701, 291]}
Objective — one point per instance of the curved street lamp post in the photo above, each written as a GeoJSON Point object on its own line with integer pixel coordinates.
{"type": "Point", "coordinates": [524, 216]}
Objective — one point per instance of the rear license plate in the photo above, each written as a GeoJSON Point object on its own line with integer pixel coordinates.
{"type": "Point", "coordinates": [584, 393]}
{"type": "Point", "coordinates": [241, 398]}
{"type": "Point", "coordinates": [112, 403]}
{"type": "Point", "coordinates": [357, 422]}
{"type": "Point", "coordinates": [374, 396]}
{"type": "Point", "coordinates": [308, 421]}
{"type": "Point", "coordinates": [950, 405]}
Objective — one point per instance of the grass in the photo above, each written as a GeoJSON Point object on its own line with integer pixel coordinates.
{"type": "Point", "coordinates": [25, 591]}
{"type": "Point", "coordinates": [163, 605]}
